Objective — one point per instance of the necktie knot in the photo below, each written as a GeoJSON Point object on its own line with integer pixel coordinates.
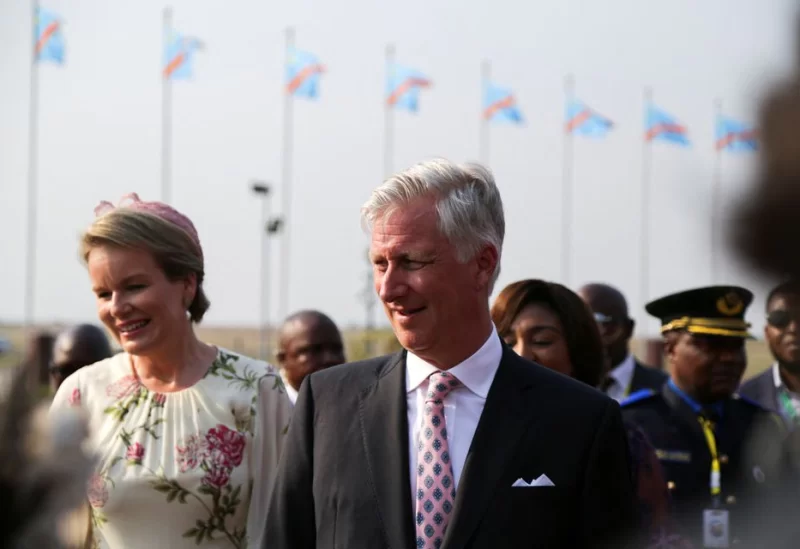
{"type": "Point", "coordinates": [439, 386]}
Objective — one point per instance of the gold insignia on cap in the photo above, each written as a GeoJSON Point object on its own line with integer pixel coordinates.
{"type": "Point", "coordinates": [730, 304]}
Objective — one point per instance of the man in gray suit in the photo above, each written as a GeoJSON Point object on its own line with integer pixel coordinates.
{"type": "Point", "coordinates": [778, 388]}
{"type": "Point", "coordinates": [457, 441]}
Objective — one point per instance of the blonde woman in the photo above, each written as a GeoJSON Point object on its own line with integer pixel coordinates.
{"type": "Point", "coordinates": [187, 435]}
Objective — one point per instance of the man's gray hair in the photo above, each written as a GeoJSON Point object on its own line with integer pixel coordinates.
{"type": "Point", "coordinates": [468, 204]}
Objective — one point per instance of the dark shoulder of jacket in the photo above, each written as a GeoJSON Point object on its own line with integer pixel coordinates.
{"type": "Point", "coordinates": [638, 397]}
{"type": "Point", "coordinates": [751, 387]}
{"type": "Point", "coordinates": [355, 373]}
{"type": "Point", "coordinates": [755, 407]}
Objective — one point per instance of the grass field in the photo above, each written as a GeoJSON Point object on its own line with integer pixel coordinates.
{"type": "Point", "coordinates": [246, 341]}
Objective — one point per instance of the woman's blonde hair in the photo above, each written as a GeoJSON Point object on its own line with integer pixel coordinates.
{"type": "Point", "coordinates": [174, 249]}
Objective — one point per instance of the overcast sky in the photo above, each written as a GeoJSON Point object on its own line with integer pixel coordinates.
{"type": "Point", "coordinates": [100, 133]}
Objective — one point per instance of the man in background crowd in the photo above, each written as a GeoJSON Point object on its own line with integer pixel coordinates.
{"type": "Point", "coordinates": [308, 341]}
{"type": "Point", "coordinates": [778, 388]}
{"type": "Point", "coordinates": [626, 375]}
{"type": "Point", "coordinates": [74, 348]}
{"type": "Point", "coordinates": [721, 454]}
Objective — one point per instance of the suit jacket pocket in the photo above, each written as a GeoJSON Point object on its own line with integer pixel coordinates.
{"type": "Point", "coordinates": [542, 513]}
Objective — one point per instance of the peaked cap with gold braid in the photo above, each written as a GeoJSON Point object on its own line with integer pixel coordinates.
{"type": "Point", "coordinates": [713, 310]}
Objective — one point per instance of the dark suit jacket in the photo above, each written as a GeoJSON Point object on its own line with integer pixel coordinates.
{"type": "Point", "coordinates": [646, 377]}
{"type": "Point", "coordinates": [749, 441]}
{"type": "Point", "coordinates": [343, 480]}
{"type": "Point", "coordinates": [761, 389]}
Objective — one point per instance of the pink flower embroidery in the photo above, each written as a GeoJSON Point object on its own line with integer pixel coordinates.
{"type": "Point", "coordinates": [227, 445]}
{"type": "Point", "coordinates": [190, 455]}
{"type": "Point", "coordinates": [159, 399]}
{"type": "Point", "coordinates": [75, 397]}
{"type": "Point", "coordinates": [123, 387]}
{"type": "Point", "coordinates": [97, 492]}
{"type": "Point", "coordinates": [217, 477]}
{"type": "Point", "coordinates": [135, 454]}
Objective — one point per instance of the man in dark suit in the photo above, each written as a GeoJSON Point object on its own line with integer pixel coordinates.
{"type": "Point", "coordinates": [625, 375]}
{"type": "Point", "coordinates": [722, 455]}
{"type": "Point", "coordinates": [456, 442]}
{"type": "Point", "coordinates": [308, 341]}
{"type": "Point", "coordinates": [778, 388]}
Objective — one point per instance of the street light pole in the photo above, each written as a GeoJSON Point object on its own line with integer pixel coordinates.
{"type": "Point", "coordinates": [262, 190]}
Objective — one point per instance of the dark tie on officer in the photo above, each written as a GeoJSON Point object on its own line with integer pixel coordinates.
{"type": "Point", "coordinates": [722, 454]}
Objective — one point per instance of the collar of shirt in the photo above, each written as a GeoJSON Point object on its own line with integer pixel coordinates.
{"type": "Point", "coordinates": [623, 372]}
{"type": "Point", "coordinates": [696, 407]}
{"type": "Point", "coordinates": [291, 392]}
{"type": "Point", "coordinates": [475, 373]}
{"type": "Point", "coordinates": [776, 377]}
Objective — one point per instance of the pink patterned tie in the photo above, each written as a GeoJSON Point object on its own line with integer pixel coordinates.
{"type": "Point", "coordinates": [436, 490]}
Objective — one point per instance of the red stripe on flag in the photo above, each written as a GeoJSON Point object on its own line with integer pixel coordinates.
{"type": "Point", "coordinates": [173, 65]}
{"type": "Point", "coordinates": [578, 120]}
{"type": "Point", "coordinates": [406, 85]}
{"type": "Point", "coordinates": [46, 34]}
{"type": "Point", "coordinates": [732, 137]}
{"type": "Point", "coordinates": [658, 129]}
{"type": "Point", "coordinates": [301, 76]}
{"type": "Point", "coordinates": [497, 106]}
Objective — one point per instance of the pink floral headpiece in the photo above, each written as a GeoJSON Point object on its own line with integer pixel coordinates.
{"type": "Point", "coordinates": [164, 211]}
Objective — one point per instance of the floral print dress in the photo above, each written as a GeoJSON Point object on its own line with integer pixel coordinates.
{"type": "Point", "coordinates": [184, 469]}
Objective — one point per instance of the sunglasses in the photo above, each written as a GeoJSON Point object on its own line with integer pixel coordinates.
{"type": "Point", "coordinates": [781, 318]}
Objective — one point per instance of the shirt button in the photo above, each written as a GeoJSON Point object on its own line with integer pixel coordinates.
{"type": "Point", "coordinates": [670, 485]}
{"type": "Point", "coordinates": [731, 500]}
{"type": "Point", "coordinates": [723, 459]}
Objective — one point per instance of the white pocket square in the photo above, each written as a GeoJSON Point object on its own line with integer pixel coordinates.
{"type": "Point", "coordinates": [543, 480]}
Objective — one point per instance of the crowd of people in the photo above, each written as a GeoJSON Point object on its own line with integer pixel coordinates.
{"type": "Point", "coordinates": [525, 422]}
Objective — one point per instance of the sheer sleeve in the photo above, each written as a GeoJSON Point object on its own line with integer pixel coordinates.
{"type": "Point", "coordinates": [273, 411]}
{"type": "Point", "coordinates": [68, 394]}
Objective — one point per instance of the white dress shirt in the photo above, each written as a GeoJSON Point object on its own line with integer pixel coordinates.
{"type": "Point", "coordinates": [794, 398]}
{"type": "Point", "coordinates": [622, 376]}
{"type": "Point", "coordinates": [291, 392]}
{"type": "Point", "coordinates": [463, 406]}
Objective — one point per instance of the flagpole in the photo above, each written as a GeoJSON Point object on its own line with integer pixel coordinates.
{"type": "Point", "coordinates": [388, 119]}
{"type": "Point", "coordinates": [166, 113]}
{"type": "Point", "coordinates": [715, 196]}
{"type": "Point", "coordinates": [286, 185]}
{"type": "Point", "coordinates": [486, 76]}
{"type": "Point", "coordinates": [644, 231]}
{"type": "Point", "coordinates": [567, 191]}
{"type": "Point", "coordinates": [33, 155]}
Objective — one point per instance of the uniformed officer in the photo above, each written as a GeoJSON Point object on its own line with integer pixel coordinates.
{"type": "Point", "coordinates": [720, 453]}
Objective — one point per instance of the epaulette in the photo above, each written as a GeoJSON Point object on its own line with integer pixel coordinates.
{"type": "Point", "coordinates": [638, 396]}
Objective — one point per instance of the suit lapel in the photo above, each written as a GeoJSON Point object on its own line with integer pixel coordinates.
{"type": "Point", "coordinates": [636, 381]}
{"type": "Point", "coordinates": [384, 429]}
{"type": "Point", "coordinates": [499, 430]}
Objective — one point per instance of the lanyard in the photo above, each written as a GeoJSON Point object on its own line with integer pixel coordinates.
{"type": "Point", "coordinates": [715, 483]}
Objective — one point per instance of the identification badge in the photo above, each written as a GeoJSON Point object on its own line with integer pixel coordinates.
{"type": "Point", "coordinates": [715, 528]}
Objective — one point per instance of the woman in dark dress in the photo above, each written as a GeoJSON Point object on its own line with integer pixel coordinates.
{"type": "Point", "coordinates": [549, 324]}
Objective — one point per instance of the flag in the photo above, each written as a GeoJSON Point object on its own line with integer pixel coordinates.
{"type": "Point", "coordinates": [49, 37]}
{"type": "Point", "coordinates": [664, 127]}
{"type": "Point", "coordinates": [178, 55]}
{"type": "Point", "coordinates": [582, 120]}
{"type": "Point", "coordinates": [499, 105]}
{"type": "Point", "coordinates": [735, 136]}
{"type": "Point", "coordinates": [303, 71]}
{"type": "Point", "coordinates": [402, 87]}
